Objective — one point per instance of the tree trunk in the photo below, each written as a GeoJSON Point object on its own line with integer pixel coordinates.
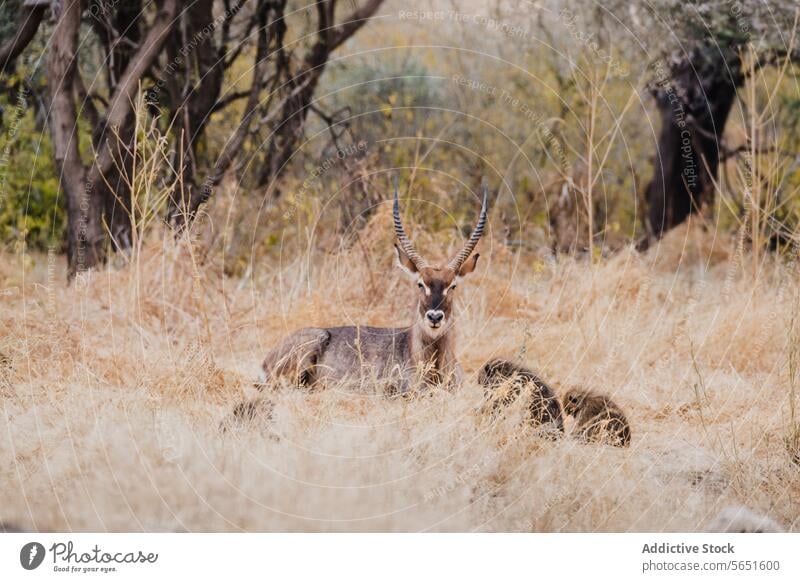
{"type": "Point", "coordinates": [106, 176]}
{"type": "Point", "coordinates": [119, 32]}
{"type": "Point", "coordinates": [193, 102]}
{"type": "Point", "coordinates": [84, 229]}
{"type": "Point", "coordinates": [694, 105]}
{"type": "Point", "coordinates": [232, 147]}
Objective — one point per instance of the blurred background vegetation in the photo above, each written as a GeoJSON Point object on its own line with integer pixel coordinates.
{"type": "Point", "coordinates": [551, 101]}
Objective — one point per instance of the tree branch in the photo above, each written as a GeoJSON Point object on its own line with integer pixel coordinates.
{"type": "Point", "coordinates": [352, 23]}
{"type": "Point", "coordinates": [30, 19]}
{"type": "Point", "coordinates": [230, 14]}
{"type": "Point", "coordinates": [230, 98]}
{"type": "Point", "coordinates": [232, 147]}
{"type": "Point", "coordinates": [121, 102]}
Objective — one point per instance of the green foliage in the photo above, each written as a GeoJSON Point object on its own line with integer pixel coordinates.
{"type": "Point", "coordinates": [30, 212]}
{"type": "Point", "coordinates": [30, 209]}
{"type": "Point", "coordinates": [8, 20]}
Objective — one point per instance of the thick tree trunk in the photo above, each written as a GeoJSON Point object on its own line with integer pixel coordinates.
{"type": "Point", "coordinates": [84, 229]}
{"type": "Point", "coordinates": [87, 193]}
{"type": "Point", "coordinates": [694, 105]}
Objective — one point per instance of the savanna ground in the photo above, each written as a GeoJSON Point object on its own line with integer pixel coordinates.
{"type": "Point", "coordinates": [112, 393]}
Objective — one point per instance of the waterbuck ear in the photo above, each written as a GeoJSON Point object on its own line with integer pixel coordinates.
{"type": "Point", "coordinates": [405, 263]}
{"type": "Point", "coordinates": [469, 265]}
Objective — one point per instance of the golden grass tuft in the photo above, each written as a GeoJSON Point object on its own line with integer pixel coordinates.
{"type": "Point", "coordinates": [112, 392]}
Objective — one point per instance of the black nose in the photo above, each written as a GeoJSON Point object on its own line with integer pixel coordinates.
{"type": "Point", "coordinates": [435, 316]}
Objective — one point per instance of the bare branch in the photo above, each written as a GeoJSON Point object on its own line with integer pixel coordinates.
{"type": "Point", "coordinates": [232, 147]}
{"type": "Point", "coordinates": [230, 13]}
{"type": "Point", "coordinates": [352, 23]}
{"type": "Point", "coordinates": [231, 98]}
{"type": "Point", "coordinates": [121, 102]}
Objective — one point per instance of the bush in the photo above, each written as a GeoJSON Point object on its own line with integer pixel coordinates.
{"type": "Point", "coordinates": [30, 212]}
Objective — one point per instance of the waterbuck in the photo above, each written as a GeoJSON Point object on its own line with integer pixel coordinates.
{"type": "Point", "coordinates": [423, 352]}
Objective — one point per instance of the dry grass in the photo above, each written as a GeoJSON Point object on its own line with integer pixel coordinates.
{"type": "Point", "coordinates": [112, 394]}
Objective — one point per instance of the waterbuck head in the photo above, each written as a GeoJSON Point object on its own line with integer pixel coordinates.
{"type": "Point", "coordinates": [436, 283]}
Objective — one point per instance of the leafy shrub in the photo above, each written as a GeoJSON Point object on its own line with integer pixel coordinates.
{"type": "Point", "coordinates": [30, 212]}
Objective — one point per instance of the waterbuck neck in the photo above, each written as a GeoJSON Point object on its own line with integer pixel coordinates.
{"type": "Point", "coordinates": [436, 354]}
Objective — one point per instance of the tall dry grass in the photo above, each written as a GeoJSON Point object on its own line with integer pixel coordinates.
{"type": "Point", "coordinates": [112, 393]}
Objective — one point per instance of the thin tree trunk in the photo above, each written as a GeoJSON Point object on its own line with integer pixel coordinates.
{"type": "Point", "coordinates": [228, 155]}
{"type": "Point", "coordinates": [84, 229]}
{"type": "Point", "coordinates": [193, 103]}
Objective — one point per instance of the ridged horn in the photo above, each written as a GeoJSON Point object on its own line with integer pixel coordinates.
{"type": "Point", "coordinates": [402, 237]}
{"type": "Point", "coordinates": [472, 242]}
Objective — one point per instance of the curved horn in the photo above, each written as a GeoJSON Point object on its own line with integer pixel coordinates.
{"type": "Point", "coordinates": [402, 237]}
{"type": "Point", "coordinates": [456, 263]}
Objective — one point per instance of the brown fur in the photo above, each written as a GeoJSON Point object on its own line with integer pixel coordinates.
{"type": "Point", "coordinates": [503, 382]}
{"type": "Point", "coordinates": [597, 418]}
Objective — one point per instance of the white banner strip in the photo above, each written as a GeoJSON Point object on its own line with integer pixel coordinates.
{"type": "Point", "coordinates": [401, 557]}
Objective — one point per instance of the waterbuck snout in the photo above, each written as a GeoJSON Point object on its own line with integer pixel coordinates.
{"type": "Point", "coordinates": [422, 351]}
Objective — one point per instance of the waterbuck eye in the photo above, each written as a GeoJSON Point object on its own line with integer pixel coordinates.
{"type": "Point", "coordinates": [420, 285]}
